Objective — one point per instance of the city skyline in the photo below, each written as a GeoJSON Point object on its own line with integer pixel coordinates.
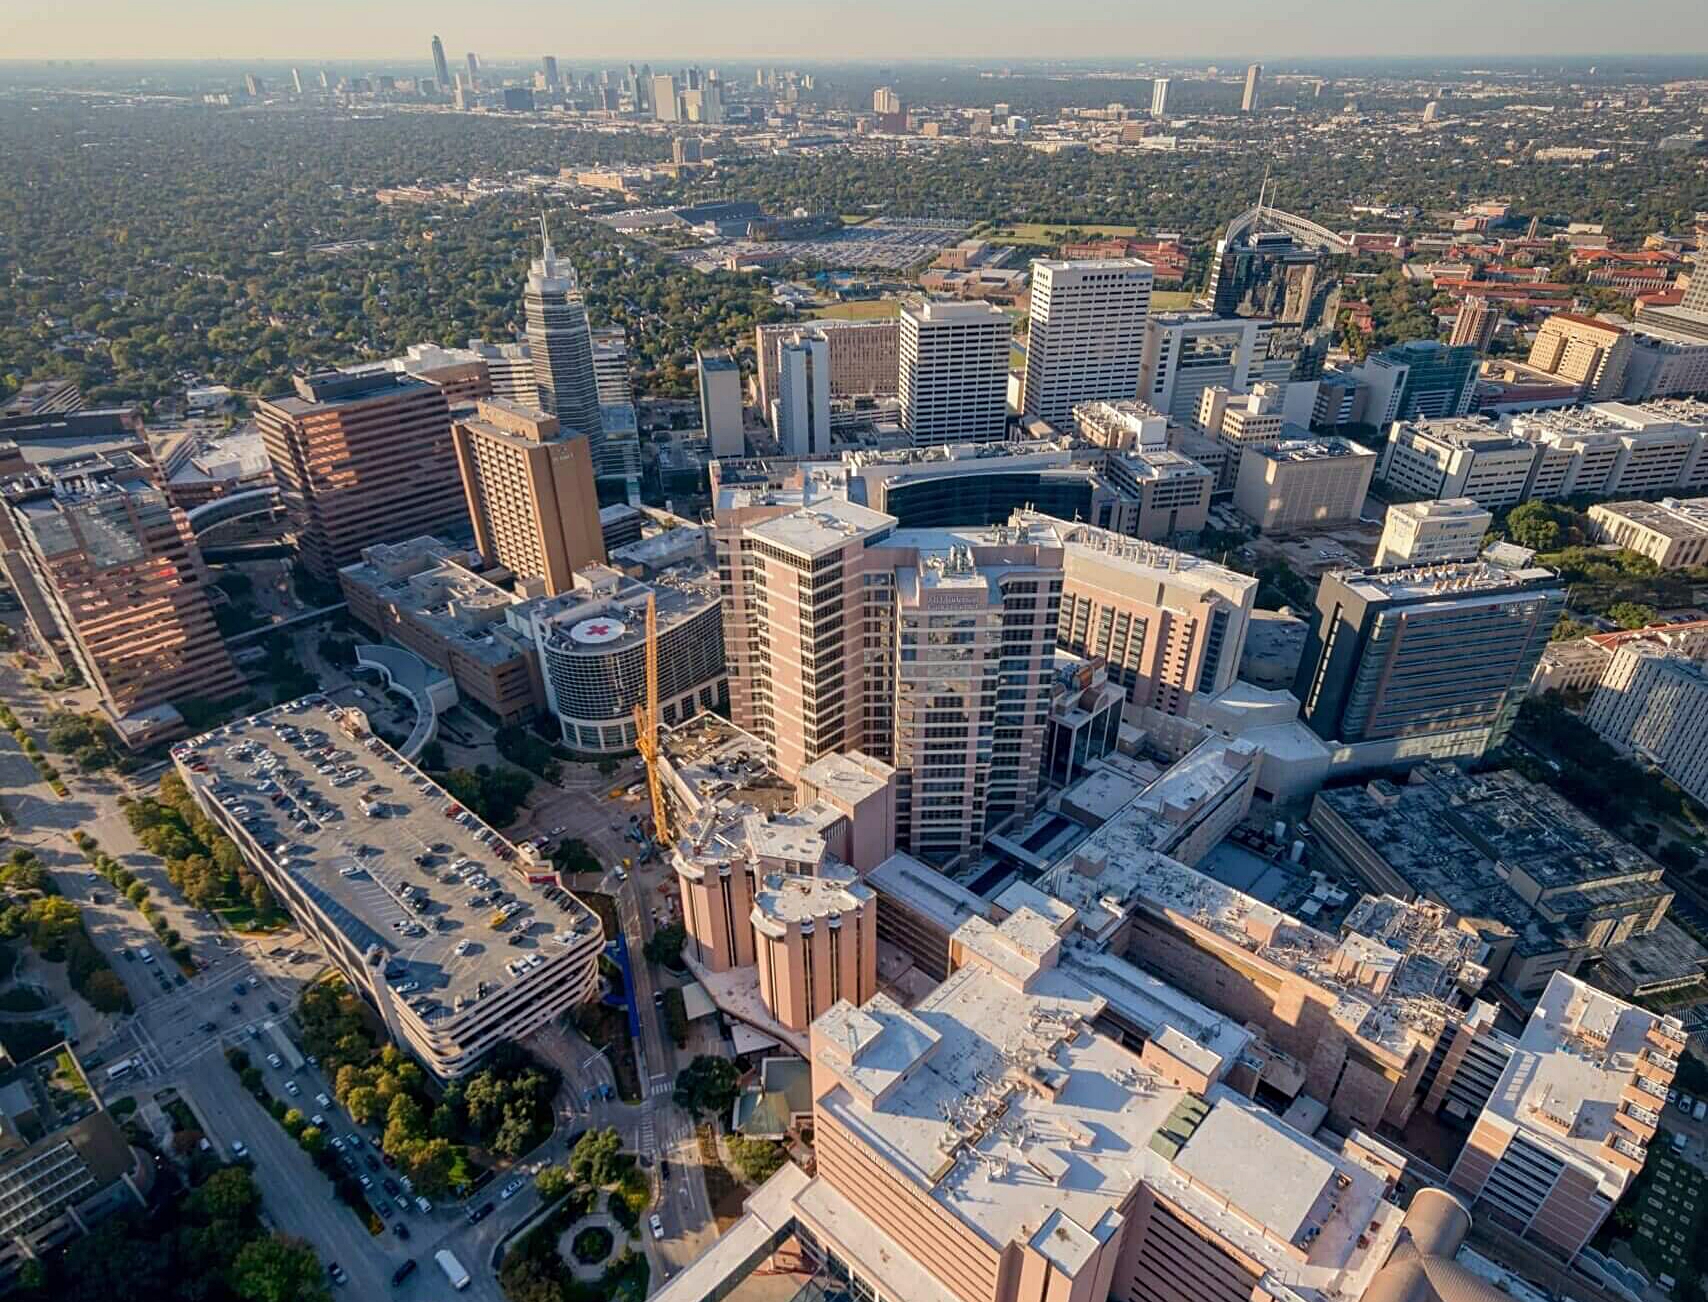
{"type": "Point", "coordinates": [110, 29]}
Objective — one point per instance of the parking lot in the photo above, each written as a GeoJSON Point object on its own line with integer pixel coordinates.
{"type": "Point", "coordinates": [884, 243]}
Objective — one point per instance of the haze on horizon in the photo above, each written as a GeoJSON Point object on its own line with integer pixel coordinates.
{"type": "Point", "coordinates": [845, 30]}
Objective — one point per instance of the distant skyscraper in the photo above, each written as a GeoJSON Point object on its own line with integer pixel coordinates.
{"type": "Point", "coordinates": [1086, 334]}
{"type": "Point", "coordinates": [663, 97]}
{"type": "Point", "coordinates": [1248, 102]}
{"type": "Point", "coordinates": [1159, 97]}
{"type": "Point", "coordinates": [325, 81]}
{"type": "Point", "coordinates": [1475, 324]}
{"type": "Point", "coordinates": [885, 100]}
{"type": "Point", "coordinates": [296, 81]}
{"type": "Point", "coordinates": [562, 347]}
{"type": "Point", "coordinates": [720, 401]}
{"type": "Point", "coordinates": [548, 65]}
{"type": "Point", "coordinates": [253, 85]}
{"type": "Point", "coordinates": [474, 70]}
{"type": "Point", "coordinates": [441, 69]}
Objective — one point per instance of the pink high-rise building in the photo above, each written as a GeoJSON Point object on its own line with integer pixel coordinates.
{"type": "Point", "coordinates": [929, 649]}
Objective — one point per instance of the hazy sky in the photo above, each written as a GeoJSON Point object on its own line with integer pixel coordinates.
{"type": "Point", "coordinates": [734, 30]}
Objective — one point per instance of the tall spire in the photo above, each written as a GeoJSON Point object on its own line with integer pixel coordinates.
{"type": "Point", "coordinates": [546, 238]}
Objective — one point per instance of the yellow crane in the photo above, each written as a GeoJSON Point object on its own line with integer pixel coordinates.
{"type": "Point", "coordinates": [646, 728]}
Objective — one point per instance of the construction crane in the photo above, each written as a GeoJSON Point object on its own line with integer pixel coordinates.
{"type": "Point", "coordinates": [646, 728]}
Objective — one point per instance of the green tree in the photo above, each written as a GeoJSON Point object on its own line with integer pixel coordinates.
{"type": "Point", "coordinates": [229, 1194]}
{"type": "Point", "coordinates": [106, 993]}
{"type": "Point", "coordinates": [1534, 524]}
{"type": "Point", "coordinates": [1631, 614]}
{"type": "Point", "coordinates": [312, 1140]}
{"type": "Point", "coordinates": [596, 1158]}
{"type": "Point", "coordinates": [553, 1182]}
{"type": "Point", "coordinates": [707, 1084]}
{"type": "Point", "coordinates": [664, 946]}
{"type": "Point", "coordinates": [430, 1165]}
{"type": "Point", "coordinates": [757, 1160]}
{"type": "Point", "coordinates": [278, 1269]}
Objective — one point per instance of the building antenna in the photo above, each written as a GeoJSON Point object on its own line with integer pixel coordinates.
{"type": "Point", "coordinates": [545, 236]}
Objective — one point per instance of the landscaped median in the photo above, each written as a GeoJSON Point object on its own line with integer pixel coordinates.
{"type": "Point", "coordinates": [134, 889]}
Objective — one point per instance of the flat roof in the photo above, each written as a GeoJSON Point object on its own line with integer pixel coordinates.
{"type": "Point", "coordinates": [825, 524]}
{"type": "Point", "coordinates": [360, 869]}
{"type": "Point", "coordinates": [1001, 1105]}
{"type": "Point", "coordinates": [1561, 1086]}
{"type": "Point", "coordinates": [1443, 580]}
{"type": "Point", "coordinates": [927, 892]}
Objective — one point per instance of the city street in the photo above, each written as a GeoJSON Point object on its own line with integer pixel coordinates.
{"type": "Point", "coordinates": [165, 1033]}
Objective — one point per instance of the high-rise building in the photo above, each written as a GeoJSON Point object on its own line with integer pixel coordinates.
{"type": "Point", "coordinates": [1159, 97]}
{"type": "Point", "coordinates": [662, 96]}
{"type": "Point", "coordinates": [441, 69]}
{"type": "Point", "coordinates": [930, 649]}
{"type": "Point", "coordinates": [720, 401]}
{"type": "Point", "coordinates": [1420, 378]}
{"type": "Point", "coordinates": [561, 345]}
{"type": "Point", "coordinates": [954, 372]}
{"type": "Point", "coordinates": [296, 80]}
{"type": "Point", "coordinates": [1653, 701]}
{"type": "Point", "coordinates": [686, 149]}
{"type": "Point", "coordinates": [865, 358]}
{"type": "Point", "coordinates": [1591, 353]}
{"type": "Point", "coordinates": [1170, 625]}
{"type": "Point", "coordinates": [1427, 661]}
{"type": "Point", "coordinates": [530, 494]}
{"type": "Point", "coordinates": [885, 101]}
{"type": "Point", "coordinates": [1277, 266]}
{"type": "Point", "coordinates": [474, 70]}
{"type": "Point", "coordinates": [510, 370]}
{"type": "Point", "coordinates": [548, 65]}
{"type": "Point", "coordinates": [362, 457]}
{"type": "Point", "coordinates": [801, 411]}
{"type": "Point", "coordinates": [113, 582]}
{"type": "Point", "coordinates": [1248, 100]}
{"type": "Point", "coordinates": [1568, 1126]}
{"type": "Point", "coordinates": [1475, 324]}
{"type": "Point", "coordinates": [1086, 334]}
{"type": "Point", "coordinates": [253, 86]}
{"type": "Point", "coordinates": [1431, 532]}
{"type": "Point", "coordinates": [1186, 353]}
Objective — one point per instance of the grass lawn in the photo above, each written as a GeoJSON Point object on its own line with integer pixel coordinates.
{"type": "Point", "coordinates": [1171, 300]}
{"type": "Point", "coordinates": [1669, 1213]}
{"type": "Point", "coordinates": [242, 917]}
{"type": "Point", "coordinates": [856, 218]}
{"type": "Point", "coordinates": [1050, 232]}
{"type": "Point", "coordinates": [864, 309]}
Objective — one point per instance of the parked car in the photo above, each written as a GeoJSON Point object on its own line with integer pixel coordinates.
{"type": "Point", "coordinates": [657, 1226]}
{"type": "Point", "coordinates": [511, 1189]}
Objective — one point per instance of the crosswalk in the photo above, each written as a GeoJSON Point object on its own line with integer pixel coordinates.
{"type": "Point", "coordinates": [647, 1140]}
{"type": "Point", "coordinates": [661, 1085]}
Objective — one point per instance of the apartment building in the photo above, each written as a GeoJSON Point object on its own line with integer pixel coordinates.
{"type": "Point", "coordinates": [720, 401]}
{"type": "Point", "coordinates": [362, 458]}
{"type": "Point", "coordinates": [1432, 531]}
{"type": "Point", "coordinates": [1673, 532]}
{"type": "Point", "coordinates": [1085, 335]}
{"type": "Point", "coordinates": [1300, 484]}
{"type": "Point", "coordinates": [1169, 625]}
{"type": "Point", "coordinates": [1546, 888]}
{"type": "Point", "coordinates": [1240, 421]}
{"type": "Point", "coordinates": [1188, 352]}
{"type": "Point", "coordinates": [1425, 661]}
{"type": "Point", "coordinates": [425, 595]}
{"type": "Point", "coordinates": [1569, 1127]}
{"type": "Point", "coordinates": [1589, 352]}
{"type": "Point", "coordinates": [928, 648]}
{"type": "Point", "coordinates": [1475, 323]}
{"type": "Point", "coordinates": [864, 357]}
{"type": "Point", "coordinates": [442, 983]}
{"type": "Point", "coordinates": [954, 372]}
{"type": "Point", "coordinates": [1653, 701]}
{"type": "Point", "coordinates": [530, 494]}
{"type": "Point", "coordinates": [113, 583]}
